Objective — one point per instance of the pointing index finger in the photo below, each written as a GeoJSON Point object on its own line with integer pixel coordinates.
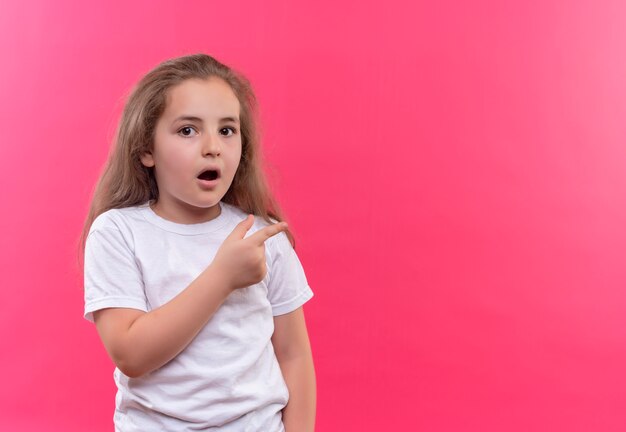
{"type": "Point", "coordinates": [265, 233]}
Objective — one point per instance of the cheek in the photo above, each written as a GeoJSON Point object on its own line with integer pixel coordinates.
{"type": "Point", "coordinates": [234, 157]}
{"type": "Point", "coordinates": [234, 162]}
{"type": "Point", "coordinates": [178, 157]}
{"type": "Point", "coordinates": [230, 162]}
{"type": "Point", "coordinates": [173, 167]}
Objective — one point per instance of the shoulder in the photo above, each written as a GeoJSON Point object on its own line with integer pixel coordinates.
{"type": "Point", "coordinates": [119, 219]}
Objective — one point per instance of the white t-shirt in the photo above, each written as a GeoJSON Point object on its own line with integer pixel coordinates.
{"type": "Point", "coordinates": [228, 377]}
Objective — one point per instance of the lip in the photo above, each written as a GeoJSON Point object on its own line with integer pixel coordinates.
{"type": "Point", "coordinates": [208, 184]}
{"type": "Point", "coordinates": [211, 168]}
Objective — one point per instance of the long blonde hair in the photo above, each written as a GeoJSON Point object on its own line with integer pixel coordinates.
{"type": "Point", "coordinates": [126, 182]}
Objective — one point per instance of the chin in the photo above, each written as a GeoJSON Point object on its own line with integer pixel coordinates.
{"type": "Point", "coordinates": [208, 205]}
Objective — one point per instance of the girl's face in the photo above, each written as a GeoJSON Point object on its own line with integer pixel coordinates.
{"type": "Point", "coordinates": [198, 131]}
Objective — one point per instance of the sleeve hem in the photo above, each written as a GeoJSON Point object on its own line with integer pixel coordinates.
{"type": "Point", "coordinates": [107, 302]}
{"type": "Point", "coordinates": [293, 304]}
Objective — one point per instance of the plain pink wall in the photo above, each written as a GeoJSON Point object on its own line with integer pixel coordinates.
{"type": "Point", "coordinates": [454, 172]}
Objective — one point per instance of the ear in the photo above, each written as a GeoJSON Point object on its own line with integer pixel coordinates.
{"type": "Point", "coordinates": [147, 159]}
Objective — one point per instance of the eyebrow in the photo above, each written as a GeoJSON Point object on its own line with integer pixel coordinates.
{"type": "Point", "coordinates": [199, 120]}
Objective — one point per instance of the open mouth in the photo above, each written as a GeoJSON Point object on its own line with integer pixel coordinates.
{"type": "Point", "coordinates": [209, 175]}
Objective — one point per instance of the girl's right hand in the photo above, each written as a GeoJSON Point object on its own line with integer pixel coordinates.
{"type": "Point", "coordinates": [241, 261]}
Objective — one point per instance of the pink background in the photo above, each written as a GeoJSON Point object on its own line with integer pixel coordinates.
{"type": "Point", "coordinates": [454, 172]}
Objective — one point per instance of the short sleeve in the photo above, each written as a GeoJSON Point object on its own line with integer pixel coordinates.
{"type": "Point", "coordinates": [288, 288]}
{"type": "Point", "coordinates": [112, 276]}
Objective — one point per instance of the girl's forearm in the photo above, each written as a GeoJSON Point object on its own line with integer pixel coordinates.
{"type": "Point", "coordinates": [299, 375]}
{"type": "Point", "coordinates": [161, 334]}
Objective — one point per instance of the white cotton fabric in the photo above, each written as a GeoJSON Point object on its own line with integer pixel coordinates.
{"type": "Point", "coordinates": [228, 377]}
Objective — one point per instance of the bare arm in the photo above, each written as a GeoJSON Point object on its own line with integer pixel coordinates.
{"type": "Point", "coordinates": [140, 342]}
{"type": "Point", "coordinates": [293, 351]}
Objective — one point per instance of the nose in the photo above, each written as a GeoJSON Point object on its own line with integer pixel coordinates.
{"type": "Point", "coordinates": [211, 145]}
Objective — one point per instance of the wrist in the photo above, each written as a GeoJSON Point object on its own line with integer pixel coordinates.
{"type": "Point", "coordinates": [218, 278]}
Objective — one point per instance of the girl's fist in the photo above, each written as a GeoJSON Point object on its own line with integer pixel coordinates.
{"type": "Point", "coordinates": [241, 261]}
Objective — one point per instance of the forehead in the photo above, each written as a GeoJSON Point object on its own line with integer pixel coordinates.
{"type": "Point", "coordinates": [203, 98]}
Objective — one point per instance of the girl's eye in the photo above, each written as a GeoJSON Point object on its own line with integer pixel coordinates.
{"type": "Point", "coordinates": [185, 130]}
{"type": "Point", "coordinates": [232, 129]}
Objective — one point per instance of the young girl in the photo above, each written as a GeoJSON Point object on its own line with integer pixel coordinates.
{"type": "Point", "coordinates": [191, 278]}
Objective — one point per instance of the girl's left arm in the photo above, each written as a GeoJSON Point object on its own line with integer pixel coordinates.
{"type": "Point", "coordinates": [293, 351]}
